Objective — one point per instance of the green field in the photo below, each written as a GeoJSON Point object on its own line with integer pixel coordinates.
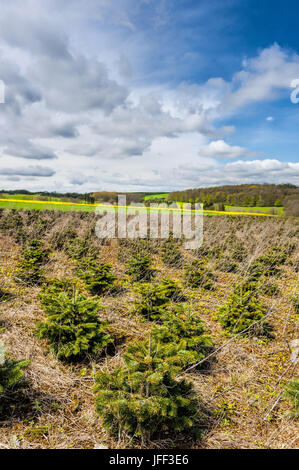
{"type": "Point", "coordinates": [156, 196]}
{"type": "Point", "coordinates": [29, 197]}
{"type": "Point", "coordinates": [262, 210]}
{"type": "Point", "coordinates": [41, 207]}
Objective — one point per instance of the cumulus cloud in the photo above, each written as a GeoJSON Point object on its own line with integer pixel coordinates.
{"type": "Point", "coordinates": [262, 78]}
{"type": "Point", "coordinates": [102, 127]}
{"type": "Point", "coordinates": [270, 167]}
{"type": "Point", "coordinates": [220, 149]}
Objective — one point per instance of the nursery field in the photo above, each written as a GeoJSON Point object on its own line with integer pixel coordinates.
{"type": "Point", "coordinates": [143, 344]}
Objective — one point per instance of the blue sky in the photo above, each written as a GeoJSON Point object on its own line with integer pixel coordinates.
{"type": "Point", "coordinates": [150, 95]}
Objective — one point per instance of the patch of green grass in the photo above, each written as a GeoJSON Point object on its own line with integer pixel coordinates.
{"type": "Point", "coordinates": [258, 209]}
{"type": "Point", "coordinates": [156, 196]}
{"type": "Point", "coordinates": [29, 197]}
{"type": "Point", "coordinates": [36, 206]}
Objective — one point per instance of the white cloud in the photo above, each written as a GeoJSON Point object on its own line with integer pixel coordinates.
{"type": "Point", "coordinates": [103, 129]}
{"type": "Point", "coordinates": [220, 149]}
{"type": "Point", "coordinates": [262, 78]}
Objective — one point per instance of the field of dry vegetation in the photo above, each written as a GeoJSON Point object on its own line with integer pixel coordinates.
{"type": "Point", "coordinates": [241, 380]}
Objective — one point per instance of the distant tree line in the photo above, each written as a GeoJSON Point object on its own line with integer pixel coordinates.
{"type": "Point", "coordinates": [248, 195]}
{"type": "Point", "coordinates": [112, 197]}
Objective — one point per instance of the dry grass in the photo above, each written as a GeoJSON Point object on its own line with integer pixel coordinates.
{"type": "Point", "coordinates": [241, 391]}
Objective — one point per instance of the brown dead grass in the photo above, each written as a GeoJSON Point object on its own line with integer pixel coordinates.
{"type": "Point", "coordinates": [242, 389]}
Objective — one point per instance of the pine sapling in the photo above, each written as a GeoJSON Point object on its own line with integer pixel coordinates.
{"type": "Point", "coordinates": [154, 297]}
{"type": "Point", "coordinates": [197, 275]}
{"type": "Point", "coordinates": [72, 325]}
{"type": "Point", "coordinates": [11, 371]}
{"type": "Point", "coordinates": [243, 311]}
{"type": "Point", "coordinates": [139, 268]}
{"type": "Point", "coordinates": [98, 277]}
{"type": "Point", "coordinates": [143, 398]}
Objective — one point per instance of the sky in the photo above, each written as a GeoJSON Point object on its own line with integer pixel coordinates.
{"type": "Point", "coordinates": [148, 95]}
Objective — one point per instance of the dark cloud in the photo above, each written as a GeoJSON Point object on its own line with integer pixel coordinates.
{"type": "Point", "coordinates": [25, 149]}
{"type": "Point", "coordinates": [77, 84]}
{"type": "Point", "coordinates": [28, 171]}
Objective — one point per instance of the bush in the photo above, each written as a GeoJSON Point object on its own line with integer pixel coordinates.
{"type": "Point", "coordinates": [77, 248]}
{"type": "Point", "coordinates": [263, 286]}
{"type": "Point", "coordinates": [296, 304]}
{"type": "Point", "coordinates": [4, 295]}
{"type": "Point", "coordinates": [171, 254]}
{"type": "Point", "coordinates": [219, 206]}
{"type": "Point", "coordinates": [130, 247]}
{"type": "Point", "coordinates": [154, 297]}
{"type": "Point", "coordinates": [292, 392]}
{"type": "Point", "coordinates": [11, 221]}
{"type": "Point", "coordinates": [269, 288]}
{"type": "Point", "coordinates": [21, 236]}
{"type": "Point", "coordinates": [139, 268]}
{"type": "Point", "coordinates": [72, 326]}
{"type": "Point", "coordinates": [268, 263]}
{"type": "Point", "coordinates": [239, 253]}
{"type": "Point", "coordinates": [292, 206]}
{"type": "Point", "coordinates": [98, 277]}
{"type": "Point", "coordinates": [143, 397]}
{"type": "Point", "coordinates": [34, 256]}
{"type": "Point", "coordinates": [183, 328]}
{"type": "Point", "coordinates": [196, 275]}
{"type": "Point", "coordinates": [241, 311]}
{"type": "Point", "coordinates": [61, 238]}
{"type": "Point", "coordinates": [226, 265]}
{"type": "Point", "coordinates": [55, 287]}
{"type": "Point", "coordinates": [11, 372]}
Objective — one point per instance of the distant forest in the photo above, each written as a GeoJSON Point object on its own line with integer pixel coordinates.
{"type": "Point", "coordinates": [45, 194]}
{"type": "Point", "coordinates": [249, 195]}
